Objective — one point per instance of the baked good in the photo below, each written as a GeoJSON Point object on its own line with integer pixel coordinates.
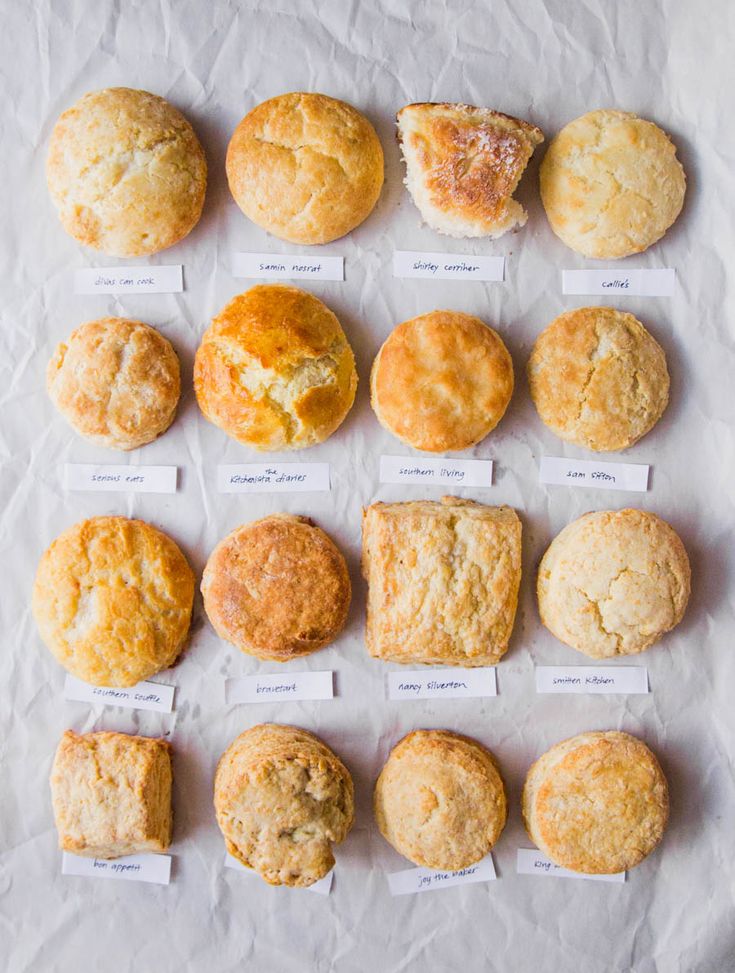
{"type": "Point", "coordinates": [277, 588]}
{"type": "Point", "coordinates": [274, 369]}
{"type": "Point", "coordinates": [116, 381]}
{"type": "Point", "coordinates": [613, 581]}
{"type": "Point", "coordinates": [126, 172]}
{"type": "Point", "coordinates": [305, 167]}
{"type": "Point", "coordinates": [442, 581]}
{"type": "Point", "coordinates": [597, 803]}
{"type": "Point", "coordinates": [112, 600]}
{"type": "Point", "coordinates": [611, 184]}
{"type": "Point", "coordinates": [440, 800]}
{"type": "Point", "coordinates": [282, 798]}
{"type": "Point", "coordinates": [598, 379]}
{"type": "Point", "coordinates": [463, 165]}
{"type": "Point", "coordinates": [111, 794]}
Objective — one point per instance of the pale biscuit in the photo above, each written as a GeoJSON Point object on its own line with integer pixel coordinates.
{"type": "Point", "coordinates": [612, 582]}
{"type": "Point", "coordinates": [441, 381]}
{"type": "Point", "coordinates": [111, 794]}
{"type": "Point", "coordinates": [274, 370]}
{"type": "Point", "coordinates": [305, 167]}
{"type": "Point", "coordinates": [611, 184]}
{"type": "Point", "coordinates": [116, 381]}
{"type": "Point", "coordinates": [282, 798]}
{"type": "Point", "coordinates": [597, 803]}
{"type": "Point", "coordinates": [440, 800]}
{"type": "Point", "coordinates": [112, 599]}
{"type": "Point", "coordinates": [126, 172]}
{"type": "Point", "coordinates": [598, 379]}
{"type": "Point", "coordinates": [442, 581]}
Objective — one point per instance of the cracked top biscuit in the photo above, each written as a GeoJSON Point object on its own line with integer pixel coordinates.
{"type": "Point", "coordinates": [126, 172]}
{"type": "Point", "coordinates": [440, 799]}
{"type": "Point", "coordinates": [611, 184]}
{"type": "Point", "coordinates": [112, 599]}
{"type": "Point", "coordinates": [274, 369]}
{"type": "Point", "coordinates": [598, 379]}
{"type": "Point", "coordinates": [305, 167]}
{"type": "Point", "coordinates": [613, 582]}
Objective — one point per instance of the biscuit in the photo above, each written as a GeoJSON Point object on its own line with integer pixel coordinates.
{"type": "Point", "coordinates": [611, 184]}
{"type": "Point", "coordinates": [116, 381]}
{"type": "Point", "coordinates": [463, 165]}
{"type": "Point", "coordinates": [597, 803]}
{"type": "Point", "coordinates": [305, 167]}
{"type": "Point", "coordinates": [111, 794]}
{"type": "Point", "coordinates": [441, 381]}
{"type": "Point", "coordinates": [442, 581]}
{"type": "Point", "coordinates": [112, 600]}
{"type": "Point", "coordinates": [274, 370]}
{"type": "Point", "coordinates": [126, 172]}
{"type": "Point", "coordinates": [612, 582]}
{"type": "Point", "coordinates": [282, 798]}
{"type": "Point", "coordinates": [277, 588]}
{"type": "Point", "coordinates": [598, 379]}
{"type": "Point", "coordinates": [440, 800]}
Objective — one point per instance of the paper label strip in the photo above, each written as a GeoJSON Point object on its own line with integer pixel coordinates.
{"type": "Point", "coordinates": [592, 679]}
{"type": "Point", "coordinates": [280, 687]}
{"type": "Point", "coordinates": [132, 868]}
{"type": "Point", "coordinates": [437, 472]}
{"type": "Point", "coordinates": [146, 695]}
{"type": "Point", "coordinates": [415, 880]}
{"type": "Point", "coordinates": [129, 280]}
{"type": "Point", "coordinates": [442, 683]}
{"type": "Point", "coordinates": [447, 266]}
{"type": "Point", "coordinates": [287, 266]}
{"type": "Point", "coordinates": [120, 479]}
{"type": "Point", "coordinates": [532, 862]}
{"type": "Point", "coordinates": [559, 471]}
{"type": "Point", "coordinates": [274, 478]}
{"type": "Point", "coordinates": [322, 887]}
{"type": "Point", "coordinates": [638, 283]}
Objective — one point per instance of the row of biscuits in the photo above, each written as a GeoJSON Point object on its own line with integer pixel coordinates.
{"type": "Point", "coordinates": [596, 803]}
{"type": "Point", "coordinates": [128, 175]}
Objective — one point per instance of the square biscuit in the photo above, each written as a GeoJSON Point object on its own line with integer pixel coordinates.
{"type": "Point", "coordinates": [442, 579]}
{"type": "Point", "coordinates": [111, 794]}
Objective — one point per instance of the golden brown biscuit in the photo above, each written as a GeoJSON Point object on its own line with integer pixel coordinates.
{"type": "Point", "coordinates": [282, 797]}
{"type": "Point", "coordinates": [597, 803]}
{"type": "Point", "coordinates": [442, 581]}
{"type": "Point", "coordinates": [126, 172]}
{"type": "Point", "coordinates": [274, 369]}
{"type": "Point", "coordinates": [598, 379]}
{"type": "Point", "coordinates": [305, 167]}
{"type": "Point", "coordinates": [112, 599]}
{"type": "Point", "coordinates": [611, 184]}
{"type": "Point", "coordinates": [116, 381]}
{"type": "Point", "coordinates": [277, 588]}
{"type": "Point", "coordinates": [441, 381]}
{"type": "Point", "coordinates": [111, 794]}
{"type": "Point", "coordinates": [612, 582]}
{"type": "Point", "coordinates": [463, 165]}
{"type": "Point", "coordinates": [440, 800]}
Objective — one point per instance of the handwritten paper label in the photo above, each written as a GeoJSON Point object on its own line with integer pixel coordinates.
{"type": "Point", "coordinates": [267, 687]}
{"type": "Point", "coordinates": [413, 880]}
{"type": "Point", "coordinates": [442, 683]}
{"type": "Point", "coordinates": [146, 695]}
{"type": "Point", "coordinates": [287, 266]}
{"type": "Point", "coordinates": [591, 679]}
{"type": "Point", "coordinates": [273, 478]}
{"type": "Point", "coordinates": [559, 471]}
{"type": "Point", "coordinates": [532, 862]}
{"type": "Point", "coordinates": [447, 266]}
{"type": "Point", "coordinates": [440, 472]}
{"type": "Point", "coordinates": [132, 868]}
{"type": "Point", "coordinates": [129, 280]}
{"type": "Point", "coordinates": [322, 887]}
{"type": "Point", "coordinates": [120, 479]}
{"type": "Point", "coordinates": [638, 283]}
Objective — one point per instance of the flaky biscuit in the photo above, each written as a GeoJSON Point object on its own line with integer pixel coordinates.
{"type": "Point", "coordinates": [597, 803]}
{"type": "Point", "coordinates": [126, 172]}
{"type": "Point", "coordinates": [613, 582]}
{"type": "Point", "coordinates": [441, 381]}
{"type": "Point", "coordinates": [440, 800]}
{"type": "Point", "coordinates": [274, 369]}
{"type": "Point", "coordinates": [111, 794]}
{"type": "Point", "coordinates": [112, 599]}
{"type": "Point", "coordinates": [305, 167]}
{"type": "Point", "coordinates": [442, 581]}
{"type": "Point", "coordinates": [282, 798]}
{"type": "Point", "coordinates": [611, 184]}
